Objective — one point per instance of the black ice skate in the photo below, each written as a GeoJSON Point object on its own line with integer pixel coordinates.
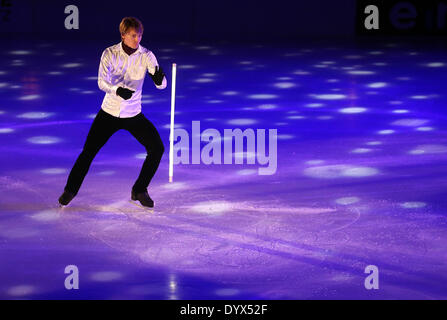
{"type": "Point", "coordinates": [143, 198]}
{"type": "Point", "coordinates": [65, 198]}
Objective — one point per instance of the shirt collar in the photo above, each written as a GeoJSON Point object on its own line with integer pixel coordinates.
{"type": "Point", "coordinates": [140, 49]}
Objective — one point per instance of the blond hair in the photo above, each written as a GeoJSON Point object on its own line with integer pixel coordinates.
{"type": "Point", "coordinates": [130, 23]}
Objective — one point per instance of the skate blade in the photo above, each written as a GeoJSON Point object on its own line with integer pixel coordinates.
{"type": "Point", "coordinates": [138, 204]}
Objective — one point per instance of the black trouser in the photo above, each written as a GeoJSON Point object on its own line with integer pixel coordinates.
{"type": "Point", "coordinates": [103, 127]}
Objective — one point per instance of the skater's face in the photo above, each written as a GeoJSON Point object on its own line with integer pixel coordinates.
{"type": "Point", "coordinates": [132, 38]}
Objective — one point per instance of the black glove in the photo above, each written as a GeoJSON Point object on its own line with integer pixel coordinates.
{"type": "Point", "coordinates": [158, 76]}
{"type": "Point", "coordinates": [124, 93]}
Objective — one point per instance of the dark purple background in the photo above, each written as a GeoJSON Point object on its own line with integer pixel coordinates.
{"type": "Point", "coordinates": [188, 20]}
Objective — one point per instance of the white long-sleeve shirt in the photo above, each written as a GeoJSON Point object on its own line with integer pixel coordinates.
{"type": "Point", "coordinates": [118, 69]}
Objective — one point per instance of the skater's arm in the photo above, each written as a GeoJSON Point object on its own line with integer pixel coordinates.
{"type": "Point", "coordinates": [156, 72]}
{"type": "Point", "coordinates": [104, 74]}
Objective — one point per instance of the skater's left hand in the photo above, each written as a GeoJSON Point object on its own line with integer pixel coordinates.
{"type": "Point", "coordinates": [158, 76]}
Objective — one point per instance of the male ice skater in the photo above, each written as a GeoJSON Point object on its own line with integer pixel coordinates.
{"type": "Point", "coordinates": [121, 75]}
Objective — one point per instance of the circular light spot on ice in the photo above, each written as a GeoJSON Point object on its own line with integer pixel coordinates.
{"type": "Point", "coordinates": [429, 149]}
{"type": "Point", "coordinates": [360, 72]}
{"type": "Point", "coordinates": [360, 172]}
{"type": "Point", "coordinates": [339, 171]}
{"type": "Point", "coordinates": [3, 84]}
{"type": "Point", "coordinates": [262, 96]}
{"type": "Point", "coordinates": [388, 131]}
{"type": "Point", "coordinates": [423, 129]}
{"type": "Point", "coordinates": [347, 200]}
{"type": "Point", "coordinates": [45, 216]}
{"type": "Point", "coordinates": [20, 291]}
{"type": "Point", "coordinates": [35, 115]}
{"type": "Point", "coordinates": [267, 106]}
{"type": "Point", "coordinates": [377, 85]}
{"type": "Point", "coordinates": [212, 207]}
{"type": "Point", "coordinates": [352, 110]}
{"type": "Point", "coordinates": [230, 93]}
{"type": "Point", "coordinates": [6, 130]}
{"type": "Point", "coordinates": [296, 117]}
{"type": "Point", "coordinates": [204, 80]}
{"type": "Point", "coordinates": [71, 65]}
{"type": "Point", "coordinates": [241, 121]}
{"type": "Point", "coordinates": [419, 97]}
{"type": "Point", "coordinates": [413, 205]}
{"type": "Point", "coordinates": [227, 292]}
{"type": "Point", "coordinates": [29, 97]}
{"type": "Point", "coordinates": [43, 140]}
{"type": "Point", "coordinates": [301, 72]}
{"type": "Point", "coordinates": [400, 111]}
{"type": "Point", "coordinates": [20, 52]}
{"type": "Point", "coordinates": [361, 150]}
{"type": "Point", "coordinates": [284, 85]}
{"type": "Point", "coordinates": [410, 122]}
{"type": "Point", "coordinates": [186, 66]}
{"type": "Point", "coordinates": [435, 64]}
{"type": "Point", "coordinates": [330, 96]}
{"type": "Point", "coordinates": [53, 171]}
{"type": "Point", "coordinates": [374, 143]}
{"type": "Point", "coordinates": [314, 105]}
{"type": "Point", "coordinates": [246, 172]}
{"type": "Point", "coordinates": [285, 78]}
{"type": "Point", "coordinates": [106, 276]}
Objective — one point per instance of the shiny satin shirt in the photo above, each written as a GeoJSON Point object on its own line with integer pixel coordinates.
{"type": "Point", "coordinates": [118, 69]}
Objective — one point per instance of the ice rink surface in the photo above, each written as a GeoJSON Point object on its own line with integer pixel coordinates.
{"type": "Point", "coordinates": [361, 175]}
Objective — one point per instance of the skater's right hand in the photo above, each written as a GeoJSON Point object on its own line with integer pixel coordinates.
{"type": "Point", "coordinates": [124, 93]}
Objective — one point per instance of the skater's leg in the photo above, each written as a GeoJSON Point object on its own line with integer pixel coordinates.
{"type": "Point", "coordinates": [103, 127]}
{"type": "Point", "coordinates": [145, 132]}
